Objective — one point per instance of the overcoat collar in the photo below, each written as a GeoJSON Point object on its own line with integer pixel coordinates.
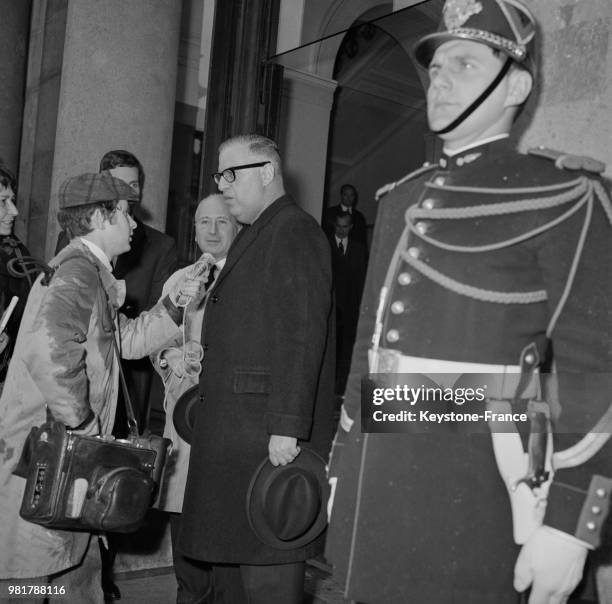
{"type": "Point", "coordinates": [249, 233]}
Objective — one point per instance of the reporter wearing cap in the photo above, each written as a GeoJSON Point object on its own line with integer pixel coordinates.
{"type": "Point", "coordinates": [476, 253]}
{"type": "Point", "coordinates": [215, 229]}
{"type": "Point", "coordinates": [151, 259]}
{"type": "Point", "coordinates": [267, 379]}
{"type": "Point", "coordinates": [64, 362]}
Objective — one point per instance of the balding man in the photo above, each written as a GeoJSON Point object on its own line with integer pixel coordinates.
{"type": "Point", "coordinates": [267, 381]}
{"type": "Point", "coordinates": [215, 229]}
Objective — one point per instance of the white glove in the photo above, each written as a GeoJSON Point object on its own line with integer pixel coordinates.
{"type": "Point", "coordinates": [551, 562]}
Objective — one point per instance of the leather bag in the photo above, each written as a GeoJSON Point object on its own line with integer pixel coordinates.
{"type": "Point", "coordinates": [89, 483]}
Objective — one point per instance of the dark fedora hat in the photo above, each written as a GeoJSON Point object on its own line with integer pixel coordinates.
{"type": "Point", "coordinates": [184, 412]}
{"type": "Point", "coordinates": [287, 505]}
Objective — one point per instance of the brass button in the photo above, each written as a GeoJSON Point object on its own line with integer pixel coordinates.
{"type": "Point", "coordinates": [428, 204]}
{"type": "Point", "coordinates": [414, 252]}
{"type": "Point", "coordinates": [460, 161]}
{"type": "Point", "coordinates": [591, 526]}
{"type": "Point", "coordinates": [443, 162]}
{"type": "Point", "coordinates": [596, 510]}
{"type": "Point", "coordinates": [404, 278]}
{"type": "Point", "coordinates": [529, 358]}
{"type": "Point", "coordinates": [421, 228]}
{"type": "Point", "coordinates": [600, 493]}
{"type": "Point", "coordinates": [392, 335]}
{"type": "Point", "coordinates": [439, 180]}
{"type": "Point", "coordinates": [397, 308]}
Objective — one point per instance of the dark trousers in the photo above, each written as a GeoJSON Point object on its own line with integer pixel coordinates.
{"type": "Point", "coordinates": [248, 584]}
{"type": "Point", "coordinates": [194, 577]}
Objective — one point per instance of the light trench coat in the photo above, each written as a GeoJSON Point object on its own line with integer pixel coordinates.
{"type": "Point", "coordinates": [175, 474]}
{"type": "Point", "coordinates": [64, 359]}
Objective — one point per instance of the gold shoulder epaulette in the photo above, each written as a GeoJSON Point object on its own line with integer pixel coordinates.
{"type": "Point", "coordinates": [568, 161]}
{"type": "Point", "coordinates": [390, 186]}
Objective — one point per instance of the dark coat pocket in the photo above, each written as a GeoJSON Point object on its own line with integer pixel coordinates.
{"type": "Point", "coordinates": [252, 381]}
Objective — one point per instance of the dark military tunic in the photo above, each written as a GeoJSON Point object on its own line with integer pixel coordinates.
{"type": "Point", "coordinates": [500, 247]}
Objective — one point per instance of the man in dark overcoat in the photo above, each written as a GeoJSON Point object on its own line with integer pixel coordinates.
{"type": "Point", "coordinates": [267, 380]}
{"type": "Point", "coordinates": [488, 262]}
{"type": "Point", "coordinates": [349, 263]}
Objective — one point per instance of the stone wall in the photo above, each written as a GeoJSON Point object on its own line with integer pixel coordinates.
{"type": "Point", "coordinates": [574, 103]}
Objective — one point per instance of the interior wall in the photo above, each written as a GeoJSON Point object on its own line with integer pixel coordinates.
{"type": "Point", "coordinates": [378, 120]}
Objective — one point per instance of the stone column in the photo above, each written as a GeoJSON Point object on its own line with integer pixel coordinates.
{"type": "Point", "coordinates": [306, 105]}
{"type": "Point", "coordinates": [14, 27]}
{"type": "Point", "coordinates": [116, 72]}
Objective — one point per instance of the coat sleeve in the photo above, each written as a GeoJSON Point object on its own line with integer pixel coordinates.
{"type": "Point", "coordinates": [299, 286]}
{"type": "Point", "coordinates": [168, 286]}
{"type": "Point", "coordinates": [149, 331]}
{"type": "Point", "coordinates": [582, 350]}
{"type": "Point", "coordinates": [56, 347]}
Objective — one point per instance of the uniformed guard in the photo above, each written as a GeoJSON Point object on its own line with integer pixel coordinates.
{"type": "Point", "coordinates": [494, 263]}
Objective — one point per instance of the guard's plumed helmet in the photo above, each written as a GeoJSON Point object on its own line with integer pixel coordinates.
{"type": "Point", "coordinates": [506, 25]}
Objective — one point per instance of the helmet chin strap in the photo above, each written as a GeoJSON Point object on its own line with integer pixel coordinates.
{"type": "Point", "coordinates": [479, 100]}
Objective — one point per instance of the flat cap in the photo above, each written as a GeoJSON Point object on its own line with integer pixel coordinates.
{"type": "Point", "coordinates": [91, 188]}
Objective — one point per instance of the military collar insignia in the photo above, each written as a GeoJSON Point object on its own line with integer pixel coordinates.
{"type": "Point", "coordinates": [468, 158]}
{"type": "Point", "coordinates": [457, 12]}
{"type": "Point", "coordinates": [459, 160]}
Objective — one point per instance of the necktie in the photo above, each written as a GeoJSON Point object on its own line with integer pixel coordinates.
{"type": "Point", "coordinates": [211, 277]}
{"type": "Point", "coordinates": [341, 248]}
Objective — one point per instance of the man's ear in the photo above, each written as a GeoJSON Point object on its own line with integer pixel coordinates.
{"type": "Point", "coordinates": [97, 219]}
{"type": "Point", "coordinates": [520, 83]}
{"type": "Point", "coordinates": [267, 173]}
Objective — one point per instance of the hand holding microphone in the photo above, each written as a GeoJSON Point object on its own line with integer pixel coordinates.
{"type": "Point", "coordinates": [193, 282]}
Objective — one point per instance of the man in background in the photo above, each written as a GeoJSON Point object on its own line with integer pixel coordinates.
{"type": "Point", "coordinates": [348, 201]}
{"type": "Point", "coordinates": [215, 229]}
{"type": "Point", "coordinates": [349, 264]}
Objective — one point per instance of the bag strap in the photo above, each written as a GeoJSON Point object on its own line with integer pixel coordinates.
{"type": "Point", "coordinates": [115, 328]}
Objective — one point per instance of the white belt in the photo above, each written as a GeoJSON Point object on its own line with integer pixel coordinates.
{"type": "Point", "coordinates": [501, 380]}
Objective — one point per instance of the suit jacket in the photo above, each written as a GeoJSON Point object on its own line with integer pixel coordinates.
{"type": "Point", "coordinates": [268, 369]}
{"type": "Point", "coordinates": [359, 230]}
{"type": "Point", "coordinates": [349, 270]}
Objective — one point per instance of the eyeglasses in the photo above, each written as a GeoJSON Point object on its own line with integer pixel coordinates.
{"type": "Point", "coordinates": [229, 174]}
